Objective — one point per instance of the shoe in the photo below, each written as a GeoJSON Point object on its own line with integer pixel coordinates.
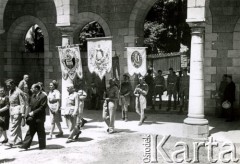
{"type": "Point", "coordinates": [4, 141]}
{"type": "Point", "coordinates": [145, 117]}
{"type": "Point", "coordinates": [60, 134]}
{"type": "Point", "coordinates": [77, 135]}
{"type": "Point", "coordinates": [22, 147]}
{"type": "Point", "coordinates": [108, 130]}
{"type": "Point", "coordinates": [140, 123]}
{"type": "Point", "coordinates": [69, 140]}
{"type": "Point", "coordinates": [83, 122]}
{"type": "Point", "coordinates": [49, 137]}
{"type": "Point", "coordinates": [126, 120]}
{"type": "Point", "coordinates": [19, 143]}
{"type": "Point", "coordinates": [9, 145]}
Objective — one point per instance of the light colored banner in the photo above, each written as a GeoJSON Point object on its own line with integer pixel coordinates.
{"type": "Point", "coordinates": [100, 55]}
{"type": "Point", "coordinates": [137, 60]}
{"type": "Point", "coordinates": [70, 61]}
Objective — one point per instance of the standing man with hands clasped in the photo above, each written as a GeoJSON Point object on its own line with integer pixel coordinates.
{"type": "Point", "coordinates": [141, 92]}
{"type": "Point", "coordinates": [36, 118]}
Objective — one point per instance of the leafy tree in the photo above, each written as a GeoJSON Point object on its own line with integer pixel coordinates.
{"type": "Point", "coordinates": [90, 30]}
{"type": "Point", "coordinates": [165, 27]}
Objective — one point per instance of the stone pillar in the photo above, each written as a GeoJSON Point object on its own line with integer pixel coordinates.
{"type": "Point", "coordinates": [196, 126]}
{"type": "Point", "coordinates": [67, 39]}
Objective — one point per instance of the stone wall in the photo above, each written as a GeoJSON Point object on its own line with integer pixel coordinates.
{"type": "Point", "coordinates": [221, 47]}
{"type": "Point", "coordinates": [19, 16]}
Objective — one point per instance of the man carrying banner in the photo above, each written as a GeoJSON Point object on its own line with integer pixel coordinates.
{"type": "Point", "coordinates": [141, 92]}
{"type": "Point", "coordinates": [125, 92]}
{"type": "Point", "coordinates": [110, 105]}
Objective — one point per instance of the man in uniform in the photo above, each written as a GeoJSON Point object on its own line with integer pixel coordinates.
{"type": "Point", "coordinates": [110, 105]}
{"type": "Point", "coordinates": [17, 112]}
{"type": "Point", "coordinates": [159, 83]}
{"type": "Point", "coordinates": [125, 92]}
{"type": "Point", "coordinates": [141, 92]}
{"type": "Point", "coordinates": [184, 90]}
{"type": "Point", "coordinates": [171, 89]}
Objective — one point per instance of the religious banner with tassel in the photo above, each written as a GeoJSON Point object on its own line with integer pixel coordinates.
{"type": "Point", "coordinates": [136, 59]}
{"type": "Point", "coordinates": [99, 55]}
{"type": "Point", "coordinates": [70, 61]}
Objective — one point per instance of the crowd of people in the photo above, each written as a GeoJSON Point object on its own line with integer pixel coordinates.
{"type": "Point", "coordinates": [22, 106]}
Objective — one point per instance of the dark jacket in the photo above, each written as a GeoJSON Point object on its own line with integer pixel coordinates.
{"type": "Point", "coordinates": [229, 93]}
{"type": "Point", "coordinates": [38, 105]}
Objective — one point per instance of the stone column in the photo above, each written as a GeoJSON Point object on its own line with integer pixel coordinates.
{"type": "Point", "coordinates": [196, 126]}
{"type": "Point", "coordinates": [67, 39]}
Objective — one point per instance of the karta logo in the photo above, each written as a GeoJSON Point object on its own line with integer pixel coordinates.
{"type": "Point", "coordinates": [153, 148]}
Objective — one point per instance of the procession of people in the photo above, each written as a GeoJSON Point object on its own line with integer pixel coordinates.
{"type": "Point", "coordinates": [21, 105]}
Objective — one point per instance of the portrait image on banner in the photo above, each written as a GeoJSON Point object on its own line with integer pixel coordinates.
{"type": "Point", "coordinates": [137, 63]}
{"type": "Point", "coordinates": [100, 55]}
{"type": "Point", "coordinates": [70, 61]}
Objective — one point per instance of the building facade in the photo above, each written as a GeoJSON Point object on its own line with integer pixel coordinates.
{"type": "Point", "coordinates": [215, 42]}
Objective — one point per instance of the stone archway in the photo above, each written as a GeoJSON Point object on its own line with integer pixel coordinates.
{"type": "Point", "coordinates": [83, 19]}
{"type": "Point", "coordinates": [136, 21]}
{"type": "Point", "coordinates": [15, 55]}
{"type": "Point", "coordinates": [64, 8]}
{"type": "Point", "coordinates": [86, 17]}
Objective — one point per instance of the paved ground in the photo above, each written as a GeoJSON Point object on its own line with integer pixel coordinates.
{"type": "Point", "coordinates": [124, 146]}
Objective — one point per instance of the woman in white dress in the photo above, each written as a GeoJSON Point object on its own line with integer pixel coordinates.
{"type": "Point", "coordinates": [54, 98]}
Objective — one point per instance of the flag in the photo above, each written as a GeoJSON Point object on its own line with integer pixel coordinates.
{"type": "Point", "coordinates": [70, 61]}
{"type": "Point", "coordinates": [137, 60]}
{"type": "Point", "coordinates": [100, 55]}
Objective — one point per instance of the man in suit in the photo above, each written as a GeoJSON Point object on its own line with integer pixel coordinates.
{"type": "Point", "coordinates": [36, 118]}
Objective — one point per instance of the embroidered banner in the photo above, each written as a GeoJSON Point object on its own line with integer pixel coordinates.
{"type": "Point", "coordinates": [100, 55]}
{"type": "Point", "coordinates": [70, 61]}
{"type": "Point", "coordinates": [137, 60]}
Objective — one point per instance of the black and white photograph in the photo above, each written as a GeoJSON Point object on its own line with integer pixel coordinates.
{"type": "Point", "coordinates": [119, 81]}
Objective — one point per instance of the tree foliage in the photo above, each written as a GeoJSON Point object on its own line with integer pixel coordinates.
{"type": "Point", "coordinates": [165, 26]}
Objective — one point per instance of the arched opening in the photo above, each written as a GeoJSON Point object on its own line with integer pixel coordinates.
{"type": "Point", "coordinates": [91, 29]}
{"type": "Point", "coordinates": [21, 61]}
{"type": "Point", "coordinates": [164, 23]}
